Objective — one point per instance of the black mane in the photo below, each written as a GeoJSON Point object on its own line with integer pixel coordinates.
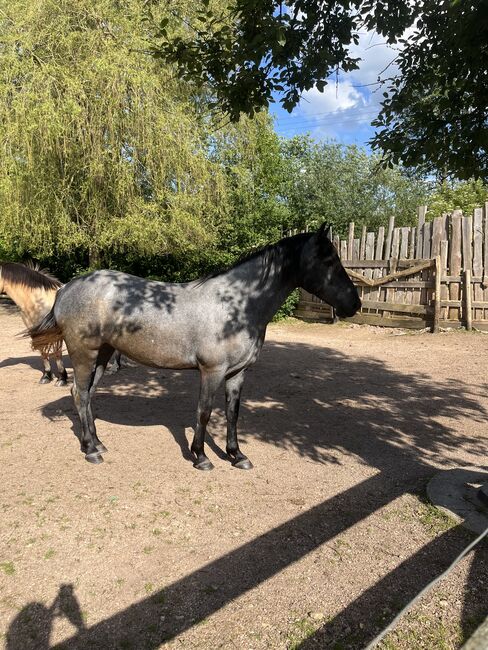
{"type": "Point", "coordinates": [267, 252]}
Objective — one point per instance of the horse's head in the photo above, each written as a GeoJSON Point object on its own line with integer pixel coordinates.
{"type": "Point", "coordinates": [322, 274]}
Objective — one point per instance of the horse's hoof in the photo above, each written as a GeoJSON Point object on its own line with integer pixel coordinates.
{"type": "Point", "coordinates": [244, 463]}
{"type": "Point", "coordinates": [61, 382]}
{"type": "Point", "coordinates": [94, 458]}
{"type": "Point", "coordinates": [205, 465]}
{"type": "Point", "coordinates": [45, 380]}
{"type": "Point", "coordinates": [101, 448]}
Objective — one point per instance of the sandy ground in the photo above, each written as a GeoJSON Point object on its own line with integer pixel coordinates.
{"type": "Point", "coordinates": [317, 547]}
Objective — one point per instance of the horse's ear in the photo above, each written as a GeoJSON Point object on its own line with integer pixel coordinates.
{"type": "Point", "coordinates": [324, 230]}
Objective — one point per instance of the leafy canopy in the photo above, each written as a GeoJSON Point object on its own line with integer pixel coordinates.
{"type": "Point", "coordinates": [435, 112]}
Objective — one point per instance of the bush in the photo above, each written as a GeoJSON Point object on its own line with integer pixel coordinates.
{"type": "Point", "coordinates": [287, 309]}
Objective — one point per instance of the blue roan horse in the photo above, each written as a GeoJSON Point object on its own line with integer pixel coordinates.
{"type": "Point", "coordinates": [216, 324]}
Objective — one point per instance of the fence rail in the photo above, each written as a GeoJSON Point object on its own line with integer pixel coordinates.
{"type": "Point", "coordinates": [434, 274]}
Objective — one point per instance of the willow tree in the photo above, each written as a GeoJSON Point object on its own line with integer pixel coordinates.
{"type": "Point", "coordinates": [102, 148]}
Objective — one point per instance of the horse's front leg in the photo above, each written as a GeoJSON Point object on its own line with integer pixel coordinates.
{"type": "Point", "coordinates": [233, 388]}
{"type": "Point", "coordinates": [47, 375]}
{"type": "Point", "coordinates": [209, 383]}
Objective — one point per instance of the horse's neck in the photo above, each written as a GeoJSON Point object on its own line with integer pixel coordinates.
{"type": "Point", "coordinates": [266, 281]}
{"type": "Point", "coordinates": [33, 303]}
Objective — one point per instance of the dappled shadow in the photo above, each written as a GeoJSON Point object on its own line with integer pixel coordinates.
{"type": "Point", "coordinates": [323, 405]}
{"type": "Point", "coordinates": [333, 405]}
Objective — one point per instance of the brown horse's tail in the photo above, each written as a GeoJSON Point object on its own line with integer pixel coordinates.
{"type": "Point", "coordinates": [47, 336]}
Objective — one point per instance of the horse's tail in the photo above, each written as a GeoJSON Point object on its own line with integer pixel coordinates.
{"type": "Point", "coordinates": [46, 336]}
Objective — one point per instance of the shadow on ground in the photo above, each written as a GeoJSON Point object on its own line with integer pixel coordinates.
{"type": "Point", "coordinates": [333, 407]}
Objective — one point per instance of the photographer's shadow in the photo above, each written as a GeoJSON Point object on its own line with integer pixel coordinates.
{"type": "Point", "coordinates": [31, 628]}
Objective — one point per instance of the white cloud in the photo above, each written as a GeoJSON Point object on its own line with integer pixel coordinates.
{"type": "Point", "coordinates": [340, 97]}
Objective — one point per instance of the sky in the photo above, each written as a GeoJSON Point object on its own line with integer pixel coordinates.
{"type": "Point", "coordinates": [344, 111]}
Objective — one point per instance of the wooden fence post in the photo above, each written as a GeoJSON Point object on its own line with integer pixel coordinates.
{"type": "Point", "coordinates": [467, 299]}
{"type": "Point", "coordinates": [437, 295]}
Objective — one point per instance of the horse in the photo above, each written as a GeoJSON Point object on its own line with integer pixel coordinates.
{"type": "Point", "coordinates": [33, 290]}
{"type": "Point", "coordinates": [216, 324]}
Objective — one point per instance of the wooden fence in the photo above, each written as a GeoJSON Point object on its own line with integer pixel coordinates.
{"type": "Point", "coordinates": [434, 274]}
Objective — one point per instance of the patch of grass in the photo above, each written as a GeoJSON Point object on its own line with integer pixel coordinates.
{"type": "Point", "coordinates": [148, 587]}
{"type": "Point", "coordinates": [434, 520]}
{"type": "Point", "coordinates": [423, 632]}
{"type": "Point", "coordinates": [8, 568]}
{"type": "Point", "coordinates": [303, 628]}
{"type": "Point", "coordinates": [50, 553]}
{"type": "Point", "coordinates": [156, 532]}
{"type": "Point", "coordinates": [148, 549]}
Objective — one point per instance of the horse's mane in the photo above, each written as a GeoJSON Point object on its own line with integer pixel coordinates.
{"type": "Point", "coordinates": [29, 275]}
{"type": "Point", "coordinates": [268, 253]}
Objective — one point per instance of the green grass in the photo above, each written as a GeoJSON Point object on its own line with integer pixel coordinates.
{"type": "Point", "coordinates": [303, 628]}
{"type": "Point", "coordinates": [8, 568]}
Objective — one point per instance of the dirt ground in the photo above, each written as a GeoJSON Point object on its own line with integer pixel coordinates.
{"type": "Point", "coordinates": [317, 547]}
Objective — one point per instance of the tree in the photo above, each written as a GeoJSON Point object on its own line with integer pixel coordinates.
{"type": "Point", "coordinates": [102, 149]}
{"type": "Point", "coordinates": [435, 110]}
{"type": "Point", "coordinates": [249, 49]}
{"type": "Point", "coordinates": [465, 196]}
{"type": "Point", "coordinates": [339, 184]}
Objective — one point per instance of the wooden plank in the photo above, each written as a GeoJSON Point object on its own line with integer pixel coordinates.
{"type": "Point", "coordinates": [410, 284]}
{"type": "Point", "coordinates": [485, 254]}
{"type": "Point", "coordinates": [444, 287]}
{"type": "Point", "coordinates": [478, 258]}
{"type": "Point", "coordinates": [377, 319]}
{"type": "Point", "coordinates": [404, 243]}
{"type": "Point", "coordinates": [350, 242]}
{"type": "Point", "coordinates": [337, 243]}
{"type": "Point", "coordinates": [482, 304]}
{"type": "Point", "coordinates": [365, 264]}
{"type": "Point", "coordinates": [427, 236]}
{"type": "Point", "coordinates": [356, 249]}
{"type": "Point", "coordinates": [395, 306]}
{"type": "Point", "coordinates": [437, 233]}
{"type": "Point", "coordinates": [380, 243]}
{"type": "Point", "coordinates": [343, 250]}
{"type": "Point", "coordinates": [369, 246]}
{"type": "Point", "coordinates": [467, 228]}
{"type": "Point", "coordinates": [395, 243]}
{"type": "Point", "coordinates": [455, 260]}
{"type": "Point", "coordinates": [362, 246]}
{"type": "Point", "coordinates": [413, 239]}
{"type": "Point", "coordinates": [391, 227]}
{"type": "Point", "coordinates": [437, 294]}
{"type": "Point", "coordinates": [421, 211]}
{"type": "Point", "coordinates": [468, 316]}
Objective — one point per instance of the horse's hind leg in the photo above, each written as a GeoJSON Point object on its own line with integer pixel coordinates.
{"type": "Point", "coordinates": [209, 382]}
{"type": "Point", "coordinates": [116, 364]}
{"type": "Point", "coordinates": [83, 368]}
{"type": "Point", "coordinates": [104, 354]}
{"type": "Point", "coordinates": [47, 375]}
{"type": "Point", "coordinates": [63, 375]}
{"type": "Point", "coordinates": [233, 388]}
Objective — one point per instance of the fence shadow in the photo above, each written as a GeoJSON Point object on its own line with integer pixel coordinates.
{"type": "Point", "coordinates": [325, 406]}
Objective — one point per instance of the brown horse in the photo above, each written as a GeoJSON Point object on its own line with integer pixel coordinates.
{"type": "Point", "coordinates": [33, 290]}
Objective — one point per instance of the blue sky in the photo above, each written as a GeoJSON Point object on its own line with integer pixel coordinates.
{"type": "Point", "coordinates": [343, 112]}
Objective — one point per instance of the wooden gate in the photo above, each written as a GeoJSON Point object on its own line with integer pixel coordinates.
{"type": "Point", "coordinates": [433, 275]}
